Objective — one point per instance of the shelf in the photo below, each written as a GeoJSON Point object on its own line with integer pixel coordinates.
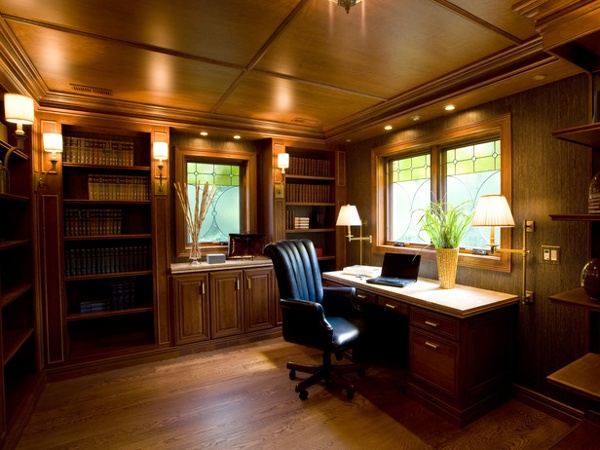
{"type": "Point", "coordinates": [588, 135]}
{"type": "Point", "coordinates": [14, 198]}
{"type": "Point", "coordinates": [576, 217]}
{"type": "Point", "coordinates": [6, 245]}
{"type": "Point", "coordinates": [82, 201]}
{"type": "Point", "coordinates": [581, 376]}
{"type": "Point", "coordinates": [105, 167]}
{"type": "Point", "coordinates": [110, 237]}
{"type": "Point", "coordinates": [109, 275]}
{"type": "Point", "coordinates": [307, 178]}
{"type": "Point", "coordinates": [14, 293]}
{"type": "Point", "coordinates": [109, 313]}
{"type": "Point", "coordinates": [13, 341]}
{"type": "Point", "coordinates": [310, 230]}
{"type": "Point", "coordinates": [577, 298]}
{"type": "Point", "coordinates": [309, 204]}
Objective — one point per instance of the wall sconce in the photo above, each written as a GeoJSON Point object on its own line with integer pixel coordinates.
{"type": "Point", "coordinates": [283, 162]}
{"type": "Point", "coordinates": [18, 109]}
{"type": "Point", "coordinates": [160, 151]}
{"type": "Point", "coordinates": [349, 217]}
{"type": "Point", "coordinates": [53, 143]}
{"type": "Point", "coordinates": [493, 211]}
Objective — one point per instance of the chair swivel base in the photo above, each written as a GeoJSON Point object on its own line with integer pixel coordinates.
{"type": "Point", "coordinates": [329, 374]}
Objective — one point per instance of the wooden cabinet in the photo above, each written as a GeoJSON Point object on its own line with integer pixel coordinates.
{"type": "Point", "coordinates": [19, 333]}
{"type": "Point", "coordinates": [107, 234]}
{"type": "Point", "coordinates": [310, 201]}
{"type": "Point", "coordinates": [192, 306]}
{"type": "Point", "coordinates": [462, 367]}
{"type": "Point", "coordinates": [222, 302]}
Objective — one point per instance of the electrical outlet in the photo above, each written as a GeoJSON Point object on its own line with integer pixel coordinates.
{"type": "Point", "coordinates": [551, 254]}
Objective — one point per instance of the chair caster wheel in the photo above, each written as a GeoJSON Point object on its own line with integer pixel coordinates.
{"type": "Point", "coordinates": [303, 395]}
{"type": "Point", "coordinates": [292, 374]}
{"type": "Point", "coordinates": [350, 394]}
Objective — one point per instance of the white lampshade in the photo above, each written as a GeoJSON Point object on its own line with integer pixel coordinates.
{"type": "Point", "coordinates": [348, 216]}
{"type": "Point", "coordinates": [493, 211]}
{"type": "Point", "coordinates": [160, 151]}
{"type": "Point", "coordinates": [18, 109]}
{"type": "Point", "coordinates": [283, 160]}
{"type": "Point", "coordinates": [53, 142]}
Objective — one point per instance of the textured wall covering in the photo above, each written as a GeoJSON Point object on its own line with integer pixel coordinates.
{"type": "Point", "coordinates": [549, 177]}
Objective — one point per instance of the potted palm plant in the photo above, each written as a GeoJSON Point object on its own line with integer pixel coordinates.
{"type": "Point", "coordinates": [446, 225]}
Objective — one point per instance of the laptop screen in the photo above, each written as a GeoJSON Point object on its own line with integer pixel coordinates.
{"type": "Point", "coordinates": [401, 265]}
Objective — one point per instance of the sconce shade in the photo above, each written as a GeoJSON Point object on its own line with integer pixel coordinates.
{"type": "Point", "coordinates": [348, 216]}
{"type": "Point", "coordinates": [283, 160]}
{"type": "Point", "coordinates": [53, 142]}
{"type": "Point", "coordinates": [493, 211]}
{"type": "Point", "coordinates": [160, 151]}
{"type": "Point", "coordinates": [18, 109]}
{"type": "Point", "coordinates": [346, 4]}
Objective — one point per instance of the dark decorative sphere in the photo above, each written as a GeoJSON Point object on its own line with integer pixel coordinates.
{"type": "Point", "coordinates": [590, 278]}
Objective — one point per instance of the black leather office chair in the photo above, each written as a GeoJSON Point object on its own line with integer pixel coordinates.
{"type": "Point", "coordinates": [325, 318]}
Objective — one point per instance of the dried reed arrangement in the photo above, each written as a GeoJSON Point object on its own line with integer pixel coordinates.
{"type": "Point", "coordinates": [194, 217]}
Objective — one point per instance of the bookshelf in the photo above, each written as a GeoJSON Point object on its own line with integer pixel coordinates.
{"type": "Point", "coordinates": [19, 333]}
{"type": "Point", "coordinates": [107, 234]}
{"type": "Point", "coordinates": [310, 201]}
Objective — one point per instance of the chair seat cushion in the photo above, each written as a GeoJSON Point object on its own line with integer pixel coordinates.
{"type": "Point", "coordinates": [345, 331]}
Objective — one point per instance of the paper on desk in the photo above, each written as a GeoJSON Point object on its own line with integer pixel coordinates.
{"type": "Point", "coordinates": [362, 271]}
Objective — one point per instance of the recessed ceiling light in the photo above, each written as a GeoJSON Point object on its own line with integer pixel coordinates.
{"type": "Point", "coordinates": [203, 133]}
{"type": "Point", "coordinates": [387, 127]}
{"type": "Point", "coordinates": [449, 107]}
{"type": "Point", "coordinates": [415, 118]}
{"type": "Point", "coordinates": [539, 77]}
{"type": "Point", "coordinates": [237, 136]}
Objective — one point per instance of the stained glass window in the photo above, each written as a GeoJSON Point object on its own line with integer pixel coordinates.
{"type": "Point", "coordinates": [223, 216]}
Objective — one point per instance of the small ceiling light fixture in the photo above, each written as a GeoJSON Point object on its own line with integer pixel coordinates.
{"type": "Point", "coordinates": [387, 127]}
{"type": "Point", "coordinates": [539, 77]}
{"type": "Point", "coordinates": [203, 133]}
{"type": "Point", "coordinates": [449, 107]}
{"type": "Point", "coordinates": [415, 118]}
{"type": "Point", "coordinates": [346, 4]}
{"type": "Point", "coordinates": [237, 136]}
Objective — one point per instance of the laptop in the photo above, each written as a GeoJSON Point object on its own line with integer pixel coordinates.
{"type": "Point", "coordinates": [399, 270]}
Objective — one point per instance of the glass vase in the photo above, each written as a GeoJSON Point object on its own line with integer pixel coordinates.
{"type": "Point", "coordinates": [195, 252]}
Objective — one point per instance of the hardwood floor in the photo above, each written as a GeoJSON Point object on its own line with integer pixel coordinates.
{"type": "Point", "coordinates": [241, 398]}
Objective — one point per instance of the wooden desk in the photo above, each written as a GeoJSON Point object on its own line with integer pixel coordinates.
{"type": "Point", "coordinates": [461, 342]}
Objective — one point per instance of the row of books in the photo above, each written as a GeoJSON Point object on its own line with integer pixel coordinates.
{"type": "Point", "coordinates": [308, 193]}
{"type": "Point", "coordinates": [83, 150]}
{"type": "Point", "coordinates": [93, 222]}
{"type": "Point", "coordinates": [122, 296]}
{"type": "Point", "coordinates": [118, 187]}
{"type": "Point", "coordinates": [309, 167]}
{"type": "Point", "coordinates": [97, 261]}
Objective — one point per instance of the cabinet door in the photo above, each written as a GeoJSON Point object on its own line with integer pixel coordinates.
{"type": "Point", "coordinates": [191, 308]}
{"type": "Point", "coordinates": [226, 301]}
{"type": "Point", "coordinates": [259, 298]}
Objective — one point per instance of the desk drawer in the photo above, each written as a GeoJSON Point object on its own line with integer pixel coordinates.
{"type": "Point", "coordinates": [433, 361]}
{"type": "Point", "coordinates": [393, 305]}
{"type": "Point", "coordinates": [366, 297]}
{"type": "Point", "coordinates": [443, 325]}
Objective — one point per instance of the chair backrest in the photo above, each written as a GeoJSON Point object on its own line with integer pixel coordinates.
{"type": "Point", "coordinates": [297, 269]}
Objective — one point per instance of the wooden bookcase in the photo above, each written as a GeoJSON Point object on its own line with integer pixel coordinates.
{"type": "Point", "coordinates": [581, 375]}
{"type": "Point", "coordinates": [107, 218]}
{"type": "Point", "coordinates": [20, 356]}
{"type": "Point", "coordinates": [310, 201]}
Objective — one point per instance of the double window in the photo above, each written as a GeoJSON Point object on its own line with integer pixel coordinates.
{"type": "Point", "coordinates": [454, 167]}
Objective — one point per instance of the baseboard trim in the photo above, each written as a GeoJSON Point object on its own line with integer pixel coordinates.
{"type": "Point", "coordinates": [548, 405]}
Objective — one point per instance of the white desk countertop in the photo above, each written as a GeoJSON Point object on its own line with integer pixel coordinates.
{"type": "Point", "coordinates": [461, 301]}
{"type": "Point", "coordinates": [234, 263]}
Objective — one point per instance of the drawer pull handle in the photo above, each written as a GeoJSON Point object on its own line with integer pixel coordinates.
{"type": "Point", "coordinates": [390, 306]}
{"type": "Point", "coordinates": [362, 296]}
{"type": "Point", "coordinates": [202, 288]}
{"type": "Point", "coordinates": [431, 324]}
{"type": "Point", "coordinates": [431, 344]}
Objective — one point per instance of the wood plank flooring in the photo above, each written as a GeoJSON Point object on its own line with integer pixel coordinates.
{"type": "Point", "coordinates": [242, 398]}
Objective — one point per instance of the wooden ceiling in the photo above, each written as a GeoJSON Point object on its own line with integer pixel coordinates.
{"type": "Point", "coordinates": [300, 68]}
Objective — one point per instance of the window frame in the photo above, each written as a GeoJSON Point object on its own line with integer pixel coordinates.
{"type": "Point", "coordinates": [248, 187]}
{"type": "Point", "coordinates": [435, 143]}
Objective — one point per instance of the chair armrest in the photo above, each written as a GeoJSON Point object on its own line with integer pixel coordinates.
{"type": "Point", "coordinates": [304, 323]}
{"type": "Point", "coordinates": [340, 301]}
